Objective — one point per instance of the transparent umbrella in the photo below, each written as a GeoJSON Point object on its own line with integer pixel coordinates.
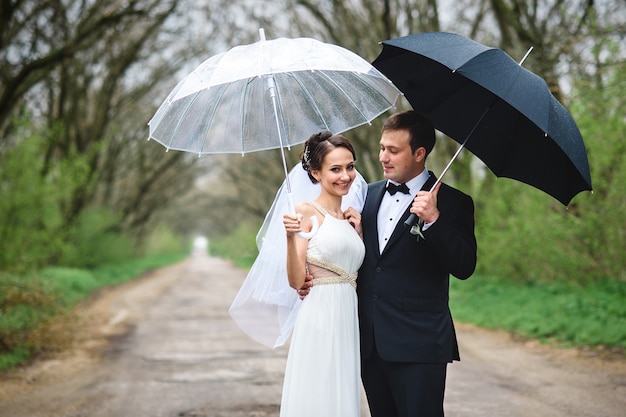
{"type": "Point", "coordinates": [271, 94]}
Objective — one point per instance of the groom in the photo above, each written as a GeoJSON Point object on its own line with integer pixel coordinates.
{"type": "Point", "coordinates": [407, 333]}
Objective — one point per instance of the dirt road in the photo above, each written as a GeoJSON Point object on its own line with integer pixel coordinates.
{"type": "Point", "coordinates": [165, 346]}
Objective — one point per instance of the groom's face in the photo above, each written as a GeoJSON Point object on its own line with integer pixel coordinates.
{"type": "Point", "coordinates": [399, 163]}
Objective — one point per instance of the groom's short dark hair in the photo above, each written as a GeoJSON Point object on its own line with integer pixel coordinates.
{"type": "Point", "coordinates": [421, 130]}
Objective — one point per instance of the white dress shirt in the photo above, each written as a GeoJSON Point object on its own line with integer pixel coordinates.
{"type": "Point", "coordinates": [393, 206]}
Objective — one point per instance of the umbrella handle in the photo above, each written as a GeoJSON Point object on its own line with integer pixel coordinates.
{"type": "Point", "coordinates": [313, 232]}
{"type": "Point", "coordinates": [314, 223]}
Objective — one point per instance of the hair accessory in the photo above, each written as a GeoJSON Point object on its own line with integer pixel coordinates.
{"type": "Point", "coordinates": [307, 157]}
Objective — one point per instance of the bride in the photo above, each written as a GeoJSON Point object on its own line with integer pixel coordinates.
{"type": "Point", "coordinates": [322, 375]}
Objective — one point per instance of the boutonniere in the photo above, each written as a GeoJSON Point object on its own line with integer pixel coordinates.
{"type": "Point", "coordinates": [416, 230]}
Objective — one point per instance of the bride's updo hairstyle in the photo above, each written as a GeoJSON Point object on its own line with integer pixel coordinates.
{"type": "Point", "coordinates": [316, 148]}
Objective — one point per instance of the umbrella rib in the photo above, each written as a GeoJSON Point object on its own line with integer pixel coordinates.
{"type": "Point", "coordinates": [462, 145]}
{"type": "Point", "coordinates": [311, 100]}
{"type": "Point", "coordinates": [180, 121]}
{"type": "Point", "coordinates": [212, 116]}
{"type": "Point", "coordinates": [346, 95]}
{"type": "Point", "coordinates": [242, 108]}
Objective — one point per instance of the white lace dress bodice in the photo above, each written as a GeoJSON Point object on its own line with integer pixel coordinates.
{"type": "Point", "coordinates": [337, 246]}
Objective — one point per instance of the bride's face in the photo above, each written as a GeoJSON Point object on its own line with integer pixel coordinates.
{"type": "Point", "coordinates": [338, 172]}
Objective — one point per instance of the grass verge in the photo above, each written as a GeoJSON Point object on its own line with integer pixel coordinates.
{"type": "Point", "coordinates": [569, 314]}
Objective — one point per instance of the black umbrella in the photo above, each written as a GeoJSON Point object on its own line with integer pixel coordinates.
{"type": "Point", "coordinates": [503, 113]}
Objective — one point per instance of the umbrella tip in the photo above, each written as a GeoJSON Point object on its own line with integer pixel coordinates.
{"type": "Point", "coordinates": [262, 34]}
{"type": "Point", "coordinates": [525, 56]}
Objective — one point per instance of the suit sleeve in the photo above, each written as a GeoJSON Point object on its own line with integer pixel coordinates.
{"type": "Point", "coordinates": [452, 237]}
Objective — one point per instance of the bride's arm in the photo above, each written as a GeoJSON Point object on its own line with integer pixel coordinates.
{"type": "Point", "coordinates": [296, 246]}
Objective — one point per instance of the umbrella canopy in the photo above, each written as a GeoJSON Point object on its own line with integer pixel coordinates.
{"type": "Point", "coordinates": [503, 113]}
{"type": "Point", "coordinates": [270, 94]}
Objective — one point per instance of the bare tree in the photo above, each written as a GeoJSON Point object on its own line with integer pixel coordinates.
{"type": "Point", "coordinates": [563, 33]}
{"type": "Point", "coordinates": [36, 37]}
{"type": "Point", "coordinates": [89, 75]}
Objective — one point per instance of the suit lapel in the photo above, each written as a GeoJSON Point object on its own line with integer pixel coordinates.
{"type": "Point", "coordinates": [370, 213]}
{"type": "Point", "coordinates": [429, 182]}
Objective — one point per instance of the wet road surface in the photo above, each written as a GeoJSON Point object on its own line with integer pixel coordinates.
{"type": "Point", "coordinates": [165, 346]}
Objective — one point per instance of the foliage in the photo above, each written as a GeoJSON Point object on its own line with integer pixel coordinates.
{"type": "Point", "coordinates": [121, 272]}
{"type": "Point", "coordinates": [162, 241]}
{"type": "Point", "coordinates": [31, 204]}
{"type": "Point", "coordinates": [86, 77]}
{"type": "Point", "coordinates": [564, 312]}
{"type": "Point", "coordinates": [35, 231]}
{"type": "Point", "coordinates": [239, 246]}
{"type": "Point", "coordinates": [94, 243]}
{"type": "Point", "coordinates": [526, 235]}
{"type": "Point", "coordinates": [26, 306]}
{"type": "Point", "coordinates": [601, 222]}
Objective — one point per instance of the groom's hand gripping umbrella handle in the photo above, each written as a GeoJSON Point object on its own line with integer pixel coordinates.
{"type": "Point", "coordinates": [413, 219]}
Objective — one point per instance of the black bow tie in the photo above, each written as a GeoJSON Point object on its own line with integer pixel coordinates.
{"type": "Point", "coordinates": [393, 188]}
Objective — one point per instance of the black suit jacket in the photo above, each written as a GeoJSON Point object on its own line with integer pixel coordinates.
{"type": "Point", "coordinates": [403, 292]}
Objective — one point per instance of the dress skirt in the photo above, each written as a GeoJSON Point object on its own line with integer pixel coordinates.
{"type": "Point", "coordinates": [322, 376]}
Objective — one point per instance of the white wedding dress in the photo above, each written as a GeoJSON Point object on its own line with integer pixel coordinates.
{"type": "Point", "coordinates": [322, 376]}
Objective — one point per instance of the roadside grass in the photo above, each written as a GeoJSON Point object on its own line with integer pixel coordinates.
{"type": "Point", "coordinates": [568, 314]}
{"type": "Point", "coordinates": [36, 309]}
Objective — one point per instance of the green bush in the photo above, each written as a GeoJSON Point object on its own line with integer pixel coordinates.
{"type": "Point", "coordinates": [71, 285]}
{"type": "Point", "coordinates": [25, 304]}
{"type": "Point", "coordinates": [93, 243]}
{"type": "Point", "coordinates": [14, 357]}
{"type": "Point", "coordinates": [31, 219]}
{"type": "Point", "coordinates": [163, 241]}
{"type": "Point", "coordinates": [239, 246]}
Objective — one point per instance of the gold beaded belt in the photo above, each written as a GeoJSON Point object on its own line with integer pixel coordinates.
{"type": "Point", "coordinates": [340, 277]}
